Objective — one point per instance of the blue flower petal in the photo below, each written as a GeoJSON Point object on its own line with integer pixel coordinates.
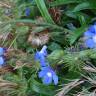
{"type": "Point", "coordinates": [37, 55]}
{"type": "Point", "coordinates": [44, 51]}
{"type": "Point", "coordinates": [43, 68]}
{"type": "Point", "coordinates": [47, 68]}
{"type": "Point", "coordinates": [47, 75]}
{"type": "Point", "coordinates": [55, 79]}
{"type": "Point", "coordinates": [1, 51]}
{"type": "Point", "coordinates": [95, 28]}
{"type": "Point", "coordinates": [91, 29]}
{"type": "Point", "coordinates": [41, 56]}
{"type": "Point", "coordinates": [41, 74]}
{"type": "Point", "coordinates": [47, 80]}
{"type": "Point", "coordinates": [43, 62]}
{"type": "Point", "coordinates": [1, 61]}
{"type": "Point", "coordinates": [89, 34]}
{"type": "Point", "coordinates": [27, 11]}
{"type": "Point", "coordinates": [90, 43]}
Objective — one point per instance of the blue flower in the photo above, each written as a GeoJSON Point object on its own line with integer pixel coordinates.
{"type": "Point", "coordinates": [27, 11]}
{"type": "Point", "coordinates": [2, 61]}
{"type": "Point", "coordinates": [90, 36]}
{"type": "Point", "coordinates": [2, 50]}
{"type": "Point", "coordinates": [48, 75]}
{"type": "Point", "coordinates": [41, 56]}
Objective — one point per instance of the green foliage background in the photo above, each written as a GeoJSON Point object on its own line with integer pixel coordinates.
{"type": "Point", "coordinates": [74, 65]}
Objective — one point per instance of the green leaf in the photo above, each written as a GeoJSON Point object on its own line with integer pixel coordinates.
{"type": "Point", "coordinates": [39, 29]}
{"type": "Point", "coordinates": [82, 6]}
{"type": "Point", "coordinates": [85, 5]}
{"type": "Point", "coordinates": [72, 75]}
{"type": "Point", "coordinates": [53, 46]}
{"type": "Point", "coordinates": [76, 34]}
{"type": "Point", "coordinates": [30, 21]}
{"type": "Point", "coordinates": [22, 30]}
{"type": "Point", "coordinates": [62, 2]}
{"type": "Point", "coordinates": [43, 9]}
{"type": "Point", "coordinates": [42, 89]}
{"type": "Point", "coordinates": [82, 18]}
{"type": "Point", "coordinates": [56, 54]}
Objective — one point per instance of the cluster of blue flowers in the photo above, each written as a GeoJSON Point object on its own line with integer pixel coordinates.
{"type": "Point", "coordinates": [2, 59]}
{"type": "Point", "coordinates": [90, 36]}
{"type": "Point", "coordinates": [47, 74]}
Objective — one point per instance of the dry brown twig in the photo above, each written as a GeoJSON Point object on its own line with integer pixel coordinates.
{"type": "Point", "coordinates": [3, 4]}
{"type": "Point", "coordinates": [5, 83]}
{"type": "Point", "coordinates": [68, 87]}
{"type": "Point", "coordinates": [89, 69]}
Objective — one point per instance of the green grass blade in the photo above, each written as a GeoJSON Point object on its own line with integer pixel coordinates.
{"type": "Point", "coordinates": [44, 12]}
{"type": "Point", "coordinates": [77, 33]}
{"type": "Point", "coordinates": [85, 5]}
{"type": "Point", "coordinates": [61, 2]}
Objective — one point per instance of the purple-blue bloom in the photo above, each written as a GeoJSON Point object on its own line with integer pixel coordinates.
{"type": "Point", "coordinates": [90, 36]}
{"type": "Point", "coordinates": [27, 11]}
{"type": "Point", "coordinates": [41, 56]}
{"type": "Point", "coordinates": [1, 61]}
{"type": "Point", "coordinates": [48, 75]}
{"type": "Point", "coordinates": [2, 50]}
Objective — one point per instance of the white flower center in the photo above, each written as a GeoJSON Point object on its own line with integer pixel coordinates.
{"type": "Point", "coordinates": [49, 74]}
{"type": "Point", "coordinates": [94, 38]}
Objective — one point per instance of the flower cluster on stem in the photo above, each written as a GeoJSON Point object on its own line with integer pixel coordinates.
{"type": "Point", "coordinates": [47, 74]}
